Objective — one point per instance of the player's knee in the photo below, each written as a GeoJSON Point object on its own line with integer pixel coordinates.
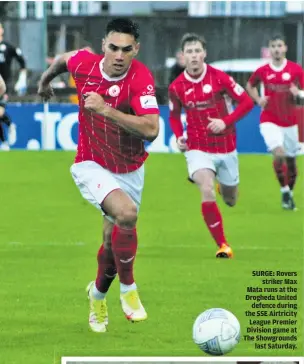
{"type": "Point", "coordinates": [279, 153]}
{"type": "Point", "coordinates": [127, 216]}
{"type": "Point", "coordinates": [230, 201]}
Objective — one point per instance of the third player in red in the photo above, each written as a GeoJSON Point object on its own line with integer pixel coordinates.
{"type": "Point", "coordinates": [279, 123]}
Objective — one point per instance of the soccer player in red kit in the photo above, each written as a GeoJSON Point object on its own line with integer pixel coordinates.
{"type": "Point", "coordinates": [117, 112]}
{"type": "Point", "coordinates": [282, 80]}
{"type": "Point", "coordinates": [210, 146]}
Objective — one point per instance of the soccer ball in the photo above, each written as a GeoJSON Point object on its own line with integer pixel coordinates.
{"type": "Point", "coordinates": [216, 331]}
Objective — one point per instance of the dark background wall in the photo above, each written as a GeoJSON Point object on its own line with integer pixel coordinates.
{"type": "Point", "coordinates": [227, 38]}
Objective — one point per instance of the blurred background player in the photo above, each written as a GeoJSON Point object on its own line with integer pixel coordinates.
{"type": "Point", "coordinates": [282, 80]}
{"type": "Point", "coordinates": [7, 53]}
{"type": "Point", "coordinates": [118, 111]}
{"type": "Point", "coordinates": [210, 147]}
{"type": "Point", "coordinates": [178, 67]}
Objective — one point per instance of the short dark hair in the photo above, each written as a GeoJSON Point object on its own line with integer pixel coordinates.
{"type": "Point", "coordinates": [193, 37]}
{"type": "Point", "coordinates": [277, 37]}
{"type": "Point", "coordinates": [123, 25]}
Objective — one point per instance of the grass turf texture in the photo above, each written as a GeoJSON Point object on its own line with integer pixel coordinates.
{"type": "Point", "coordinates": [50, 236]}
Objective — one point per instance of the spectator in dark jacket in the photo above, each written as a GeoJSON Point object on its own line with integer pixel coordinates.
{"type": "Point", "coordinates": [178, 67]}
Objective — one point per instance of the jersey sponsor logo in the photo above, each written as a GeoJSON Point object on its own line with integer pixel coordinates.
{"type": "Point", "coordinates": [93, 83]}
{"type": "Point", "coordinates": [277, 88]}
{"type": "Point", "coordinates": [207, 88]}
{"type": "Point", "coordinates": [148, 102]}
{"type": "Point", "coordinates": [286, 76]}
{"type": "Point", "coordinates": [200, 105]}
{"type": "Point", "coordinates": [189, 91]}
{"type": "Point", "coordinates": [270, 77]}
{"type": "Point", "coordinates": [114, 90]}
{"type": "Point", "coordinates": [190, 105]}
{"type": "Point", "coordinates": [150, 91]}
{"type": "Point", "coordinates": [238, 89]}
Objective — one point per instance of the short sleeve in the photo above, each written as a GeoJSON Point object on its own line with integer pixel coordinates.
{"type": "Point", "coordinates": [255, 78]}
{"type": "Point", "coordinates": [143, 99]}
{"type": "Point", "coordinates": [76, 60]}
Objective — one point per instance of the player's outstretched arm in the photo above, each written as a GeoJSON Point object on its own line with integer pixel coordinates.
{"type": "Point", "coordinates": [58, 67]}
{"type": "Point", "coordinates": [145, 127]}
{"type": "Point", "coordinates": [2, 86]}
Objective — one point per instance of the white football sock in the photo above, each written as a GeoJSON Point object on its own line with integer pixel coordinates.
{"type": "Point", "coordinates": [124, 288]}
{"type": "Point", "coordinates": [97, 294]}
{"type": "Point", "coordinates": [285, 189]}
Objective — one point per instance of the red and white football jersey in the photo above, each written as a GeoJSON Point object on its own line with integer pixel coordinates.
{"type": "Point", "coordinates": [209, 95]}
{"type": "Point", "coordinates": [280, 108]}
{"type": "Point", "coordinates": [100, 140]}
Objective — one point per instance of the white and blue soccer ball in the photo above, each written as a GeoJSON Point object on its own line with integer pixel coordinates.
{"type": "Point", "coordinates": [216, 331]}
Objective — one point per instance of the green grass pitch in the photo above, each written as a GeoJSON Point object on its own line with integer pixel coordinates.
{"type": "Point", "coordinates": [50, 236]}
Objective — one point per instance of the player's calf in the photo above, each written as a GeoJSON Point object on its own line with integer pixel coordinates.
{"type": "Point", "coordinates": [291, 172]}
{"type": "Point", "coordinates": [285, 176]}
{"type": "Point", "coordinates": [107, 271]}
{"type": "Point", "coordinates": [204, 179]}
{"type": "Point", "coordinates": [124, 246]}
{"type": "Point", "coordinates": [280, 168]}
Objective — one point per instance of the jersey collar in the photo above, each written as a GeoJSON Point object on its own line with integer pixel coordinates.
{"type": "Point", "coordinates": [196, 80]}
{"type": "Point", "coordinates": [280, 68]}
{"type": "Point", "coordinates": [112, 79]}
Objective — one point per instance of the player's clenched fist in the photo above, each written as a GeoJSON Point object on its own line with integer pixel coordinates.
{"type": "Point", "coordinates": [182, 143]}
{"type": "Point", "coordinates": [294, 90]}
{"type": "Point", "coordinates": [45, 91]}
{"type": "Point", "coordinates": [263, 101]}
{"type": "Point", "coordinates": [94, 102]}
{"type": "Point", "coordinates": [216, 125]}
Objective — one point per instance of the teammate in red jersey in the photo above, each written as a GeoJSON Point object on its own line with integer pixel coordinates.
{"type": "Point", "coordinates": [210, 146]}
{"type": "Point", "coordinates": [117, 112]}
{"type": "Point", "coordinates": [283, 81]}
